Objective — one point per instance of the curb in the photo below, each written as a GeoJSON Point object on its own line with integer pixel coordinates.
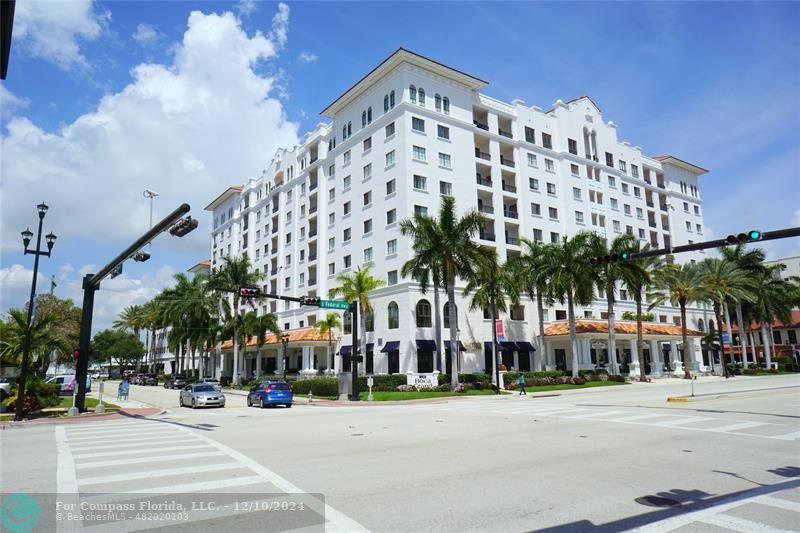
{"type": "Point", "coordinates": [677, 399]}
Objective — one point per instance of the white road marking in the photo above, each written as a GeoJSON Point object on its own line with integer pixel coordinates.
{"type": "Point", "coordinates": [680, 421]}
{"type": "Point", "coordinates": [84, 438]}
{"type": "Point", "coordinates": [595, 414]}
{"type": "Point", "coordinates": [779, 503]}
{"type": "Point", "coordinates": [139, 460]}
{"type": "Point", "coordinates": [148, 442]}
{"type": "Point", "coordinates": [180, 489]}
{"type": "Point", "coordinates": [66, 482]}
{"type": "Point", "coordinates": [736, 427]}
{"type": "Point", "coordinates": [98, 480]}
{"type": "Point", "coordinates": [740, 524]}
{"type": "Point", "coordinates": [788, 436]}
{"type": "Point", "coordinates": [140, 451]}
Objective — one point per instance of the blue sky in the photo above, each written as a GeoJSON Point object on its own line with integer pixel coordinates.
{"type": "Point", "coordinates": [108, 98]}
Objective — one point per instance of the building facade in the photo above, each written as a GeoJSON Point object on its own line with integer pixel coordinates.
{"type": "Point", "coordinates": [409, 132]}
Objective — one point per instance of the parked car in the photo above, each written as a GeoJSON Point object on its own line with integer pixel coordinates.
{"type": "Point", "coordinates": [67, 382]}
{"type": "Point", "coordinates": [5, 388]}
{"type": "Point", "coordinates": [271, 393]}
{"type": "Point", "coordinates": [201, 395]}
{"type": "Point", "coordinates": [175, 382]}
{"type": "Point", "coordinates": [150, 379]}
{"type": "Point", "coordinates": [211, 381]}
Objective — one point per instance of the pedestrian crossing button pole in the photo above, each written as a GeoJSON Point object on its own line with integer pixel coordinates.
{"type": "Point", "coordinates": [100, 409]}
{"type": "Point", "coordinates": [369, 384]}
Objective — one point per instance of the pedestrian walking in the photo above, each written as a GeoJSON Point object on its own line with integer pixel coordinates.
{"type": "Point", "coordinates": [522, 385]}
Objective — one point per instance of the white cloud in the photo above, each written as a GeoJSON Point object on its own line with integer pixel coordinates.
{"type": "Point", "coordinates": [146, 34]}
{"type": "Point", "coordinates": [10, 103]}
{"type": "Point", "coordinates": [187, 129]}
{"type": "Point", "coordinates": [246, 7]}
{"type": "Point", "coordinates": [307, 57]}
{"type": "Point", "coordinates": [796, 219]}
{"type": "Point", "coordinates": [280, 25]}
{"type": "Point", "coordinates": [51, 30]}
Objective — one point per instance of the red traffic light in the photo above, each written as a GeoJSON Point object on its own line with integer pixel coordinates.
{"type": "Point", "coordinates": [249, 292]}
{"type": "Point", "coordinates": [76, 353]}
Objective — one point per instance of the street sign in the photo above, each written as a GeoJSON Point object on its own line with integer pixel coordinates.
{"type": "Point", "coordinates": [117, 271]}
{"type": "Point", "coordinates": [726, 338]}
{"type": "Point", "coordinates": [334, 304]}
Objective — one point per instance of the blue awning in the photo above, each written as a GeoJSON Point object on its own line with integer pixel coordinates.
{"type": "Point", "coordinates": [391, 346]}
{"type": "Point", "coordinates": [525, 346]}
{"type": "Point", "coordinates": [426, 345]}
{"type": "Point", "coordinates": [370, 347]}
{"type": "Point", "coordinates": [508, 346]}
{"type": "Point", "coordinates": [449, 346]}
{"type": "Point", "coordinates": [346, 349]}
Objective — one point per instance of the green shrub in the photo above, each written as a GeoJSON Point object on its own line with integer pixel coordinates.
{"type": "Point", "coordinates": [465, 378]}
{"type": "Point", "coordinates": [317, 386]}
{"type": "Point", "coordinates": [750, 371]}
{"type": "Point", "coordinates": [383, 382]}
{"type": "Point", "coordinates": [38, 395]}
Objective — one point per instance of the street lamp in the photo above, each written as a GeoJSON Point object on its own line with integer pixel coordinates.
{"type": "Point", "coordinates": [27, 235]}
{"type": "Point", "coordinates": [285, 342]}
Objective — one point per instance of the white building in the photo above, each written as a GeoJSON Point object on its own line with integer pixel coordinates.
{"type": "Point", "coordinates": [410, 131]}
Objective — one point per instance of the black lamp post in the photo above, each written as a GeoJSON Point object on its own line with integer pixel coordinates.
{"type": "Point", "coordinates": [285, 342]}
{"type": "Point", "coordinates": [26, 347]}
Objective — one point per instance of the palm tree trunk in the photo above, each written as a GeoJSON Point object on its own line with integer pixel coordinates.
{"type": "Point", "coordinates": [362, 320]}
{"type": "Point", "coordinates": [540, 337]}
{"type": "Point", "coordinates": [495, 362]}
{"type": "Point", "coordinates": [723, 363]}
{"type": "Point", "coordinates": [612, 342]}
{"type": "Point", "coordinates": [235, 376]}
{"type": "Point", "coordinates": [177, 369]}
{"type": "Point", "coordinates": [765, 340]}
{"type": "Point", "coordinates": [686, 373]}
{"type": "Point", "coordinates": [639, 337]}
{"type": "Point", "coordinates": [573, 335]}
{"type": "Point", "coordinates": [258, 360]}
{"type": "Point", "coordinates": [437, 323]}
{"type": "Point", "coordinates": [742, 333]}
{"type": "Point", "coordinates": [728, 329]}
{"type": "Point", "coordinates": [451, 301]}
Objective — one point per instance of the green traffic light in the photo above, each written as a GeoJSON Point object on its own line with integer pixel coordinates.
{"type": "Point", "coordinates": [754, 235]}
{"type": "Point", "coordinates": [625, 256]}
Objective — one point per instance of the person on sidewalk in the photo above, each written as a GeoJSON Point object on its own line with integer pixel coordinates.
{"type": "Point", "coordinates": [522, 385]}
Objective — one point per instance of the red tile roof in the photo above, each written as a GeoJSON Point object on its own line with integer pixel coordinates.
{"type": "Point", "coordinates": [794, 323]}
{"type": "Point", "coordinates": [295, 335]}
{"type": "Point", "coordinates": [625, 328]}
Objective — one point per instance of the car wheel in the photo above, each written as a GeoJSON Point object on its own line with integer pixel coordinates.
{"type": "Point", "coordinates": [249, 402]}
{"type": "Point", "coordinates": [180, 401]}
{"type": "Point", "coordinates": [263, 404]}
{"type": "Point", "coordinates": [288, 405]}
{"type": "Point", "coordinates": [194, 405]}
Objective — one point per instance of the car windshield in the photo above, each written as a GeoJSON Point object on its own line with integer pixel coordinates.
{"type": "Point", "coordinates": [204, 388]}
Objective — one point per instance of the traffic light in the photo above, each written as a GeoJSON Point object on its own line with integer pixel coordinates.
{"type": "Point", "coordinates": [249, 292]}
{"type": "Point", "coordinates": [750, 236]}
{"type": "Point", "coordinates": [76, 353]}
{"type": "Point", "coordinates": [141, 256]}
{"type": "Point", "coordinates": [183, 226]}
{"type": "Point", "coordinates": [605, 259]}
{"type": "Point", "coordinates": [311, 300]}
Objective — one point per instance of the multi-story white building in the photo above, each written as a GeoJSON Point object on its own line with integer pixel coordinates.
{"type": "Point", "coordinates": [409, 132]}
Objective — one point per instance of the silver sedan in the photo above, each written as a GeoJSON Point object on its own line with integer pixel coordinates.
{"type": "Point", "coordinates": [201, 395]}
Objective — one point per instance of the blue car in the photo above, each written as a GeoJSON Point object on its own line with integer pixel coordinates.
{"type": "Point", "coordinates": [270, 393]}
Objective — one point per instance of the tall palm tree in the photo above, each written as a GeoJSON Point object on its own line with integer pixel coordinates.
{"type": "Point", "coordinates": [750, 260]}
{"type": "Point", "coordinates": [607, 276]}
{"type": "Point", "coordinates": [490, 285]}
{"type": "Point", "coordinates": [259, 326]}
{"type": "Point", "coordinates": [679, 285]}
{"type": "Point", "coordinates": [153, 312]}
{"type": "Point", "coordinates": [453, 248]}
{"type": "Point", "coordinates": [357, 286]}
{"type": "Point", "coordinates": [571, 280]}
{"type": "Point", "coordinates": [722, 281]}
{"type": "Point", "coordinates": [132, 317]}
{"type": "Point", "coordinates": [773, 300]}
{"type": "Point", "coordinates": [234, 273]}
{"type": "Point", "coordinates": [532, 279]}
{"type": "Point", "coordinates": [637, 277]}
{"type": "Point", "coordinates": [326, 328]}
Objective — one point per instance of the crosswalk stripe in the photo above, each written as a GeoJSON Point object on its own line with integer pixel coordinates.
{"type": "Point", "coordinates": [121, 432]}
{"type": "Point", "coordinates": [595, 414]}
{"type": "Point", "coordinates": [138, 460]}
{"type": "Point", "coordinates": [788, 436]}
{"type": "Point", "coordinates": [740, 524]}
{"type": "Point", "coordinates": [117, 453]}
{"type": "Point", "coordinates": [637, 417]}
{"type": "Point", "coordinates": [97, 426]}
{"type": "Point", "coordinates": [98, 480]}
{"type": "Point", "coordinates": [127, 443]}
{"type": "Point", "coordinates": [680, 421]}
{"type": "Point", "coordinates": [180, 489]}
{"type": "Point", "coordinates": [736, 427]}
{"type": "Point", "coordinates": [779, 503]}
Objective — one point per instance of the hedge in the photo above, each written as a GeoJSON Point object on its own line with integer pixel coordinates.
{"type": "Point", "coordinates": [444, 379]}
{"type": "Point", "coordinates": [382, 382]}
{"type": "Point", "coordinates": [317, 386]}
{"type": "Point", "coordinates": [538, 374]}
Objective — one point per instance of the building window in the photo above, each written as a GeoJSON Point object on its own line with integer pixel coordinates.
{"type": "Point", "coordinates": [444, 160]}
{"type": "Point", "coordinates": [331, 244]}
{"type": "Point", "coordinates": [391, 247]}
{"type": "Point", "coordinates": [287, 282]}
{"type": "Point", "coordinates": [391, 277]}
{"type": "Point", "coordinates": [699, 228]}
{"type": "Point", "coordinates": [443, 132]}
{"type": "Point", "coordinates": [368, 226]}
{"type": "Point", "coordinates": [393, 314]}
{"type": "Point", "coordinates": [367, 170]}
{"type": "Point", "coordinates": [615, 204]}
{"type": "Point", "coordinates": [423, 314]}
{"type": "Point", "coordinates": [616, 226]}
{"type": "Point", "coordinates": [347, 234]}
{"type": "Point", "coordinates": [625, 189]}
{"type": "Point", "coordinates": [391, 99]}
{"type": "Point", "coordinates": [389, 129]}
{"type": "Point", "coordinates": [412, 94]}
{"type": "Point", "coordinates": [612, 182]}
{"type": "Point", "coordinates": [446, 105]}
{"type": "Point", "coordinates": [579, 217]}
{"type": "Point", "coordinates": [530, 135]}
{"type": "Point", "coordinates": [555, 238]}
{"type": "Point", "coordinates": [547, 141]}
{"type": "Point", "coordinates": [623, 166]}
{"type": "Point", "coordinates": [532, 160]}
{"type": "Point", "coordinates": [623, 295]}
{"type": "Point", "coordinates": [417, 124]}
{"type": "Point", "coordinates": [641, 234]}
{"type": "Point", "coordinates": [576, 194]}
{"type": "Point", "coordinates": [553, 212]}
{"type": "Point", "coordinates": [634, 171]}
{"type": "Point", "coordinates": [421, 95]}
{"type": "Point", "coordinates": [331, 269]}
{"type": "Point", "coordinates": [367, 144]}
{"type": "Point", "coordinates": [391, 216]}
{"type": "Point", "coordinates": [697, 210]}
{"type": "Point", "coordinates": [367, 255]}
{"type": "Point", "coordinates": [347, 261]}
{"type": "Point", "coordinates": [347, 323]}
{"type": "Point", "coordinates": [626, 209]}
{"type": "Point", "coordinates": [346, 158]}
{"type": "Point", "coordinates": [437, 102]}
{"type": "Point", "coordinates": [536, 209]}
{"type": "Point", "coordinates": [548, 165]}
{"type": "Point", "coordinates": [561, 314]}
{"type": "Point", "coordinates": [346, 208]}
{"type": "Point", "coordinates": [420, 182]}
{"type": "Point", "coordinates": [390, 187]}
{"type": "Point", "coordinates": [533, 183]}
{"type": "Point", "coordinates": [637, 192]}
{"type": "Point", "coordinates": [418, 152]}
{"type": "Point", "coordinates": [390, 159]}
{"type": "Point", "coordinates": [445, 188]}
{"type": "Point", "coordinates": [363, 119]}
{"type": "Point", "coordinates": [551, 188]}
{"type": "Point", "coordinates": [420, 211]}
{"type": "Point", "coordinates": [572, 145]}
{"type": "Point", "coordinates": [386, 103]}
{"type": "Point", "coordinates": [517, 312]}
{"type": "Point", "coordinates": [609, 160]}
{"type": "Point", "coordinates": [346, 183]}
{"type": "Point", "coordinates": [574, 170]}
{"type": "Point", "coordinates": [537, 235]}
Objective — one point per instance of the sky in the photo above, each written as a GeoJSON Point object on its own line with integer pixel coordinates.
{"type": "Point", "coordinates": [106, 99]}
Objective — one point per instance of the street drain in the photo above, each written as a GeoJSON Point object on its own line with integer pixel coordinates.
{"type": "Point", "coordinates": [357, 435]}
{"type": "Point", "coordinates": [657, 501]}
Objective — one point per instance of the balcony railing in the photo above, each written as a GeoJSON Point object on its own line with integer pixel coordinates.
{"type": "Point", "coordinates": [482, 155]}
{"type": "Point", "coordinates": [664, 207]}
{"type": "Point", "coordinates": [661, 185]}
{"type": "Point", "coordinates": [512, 240]}
{"type": "Point", "coordinates": [650, 204]}
{"type": "Point", "coordinates": [313, 186]}
{"type": "Point", "coordinates": [486, 182]}
{"type": "Point", "coordinates": [486, 209]}
{"type": "Point", "coordinates": [312, 210]}
{"type": "Point", "coordinates": [486, 236]}
{"type": "Point", "coordinates": [313, 159]}
{"type": "Point", "coordinates": [312, 281]}
{"type": "Point", "coordinates": [505, 133]}
{"type": "Point", "coordinates": [510, 213]}
{"type": "Point", "coordinates": [312, 233]}
{"type": "Point", "coordinates": [506, 161]}
{"type": "Point", "coordinates": [481, 125]}
{"type": "Point", "coordinates": [312, 257]}
{"type": "Point", "coordinates": [273, 271]}
{"type": "Point", "coordinates": [275, 229]}
{"type": "Point", "coordinates": [508, 187]}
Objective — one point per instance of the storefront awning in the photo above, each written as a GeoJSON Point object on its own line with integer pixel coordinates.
{"type": "Point", "coordinates": [461, 347]}
{"type": "Point", "coordinates": [525, 346]}
{"type": "Point", "coordinates": [508, 346]}
{"type": "Point", "coordinates": [426, 345]}
{"type": "Point", "coordinates": [346, 349]}
{"type": "Point", "coordinates": [391, 346]}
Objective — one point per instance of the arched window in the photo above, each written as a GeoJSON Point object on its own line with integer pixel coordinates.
{"type": "Point", "coordinates": [446, 316]}
{"type": "Point", "coordinates": [369, 115]}
{"type": "Point", "coordinates": [421, 94]}
{"type": "Point", "coordinates": [347, 323]}
{"type": "Point", "coordinates": [394, 316]}
{"type": "Point", "coordinates": [386, 103]}
{"type": "Point", "coordinates": [446, 103]}
{"type": "Point", "coordinates": [438, 102]}
{"type": "Point", "coordinates": [363, 118]}
{"type": "Point", "coordinates": [391, 100]}
{"type": "Point", "coordinates": [369, 321]}
{"type": "Point", "coordinates": [412, 94]}
{"type": "Point", "coordinates": [423, 314]}
{"type": "Point", "coordinates": [349, 128]}
{"type": "Point", "coordinates": [701, 325]}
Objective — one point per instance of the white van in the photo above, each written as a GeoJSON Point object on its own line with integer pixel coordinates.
{"type": "Point", "coordinates": [67, 382]}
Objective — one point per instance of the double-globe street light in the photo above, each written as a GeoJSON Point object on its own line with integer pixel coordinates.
{"type": "Point", "coordinates": [26, 347]}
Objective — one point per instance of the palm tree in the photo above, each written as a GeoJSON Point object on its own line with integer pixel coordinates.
{"type": "Point", "coordinates": [571, 280]}
{"type": "Point", "coordinates": [490, 284]}
{"type": "Point", "coordinates": [153, 312]}
{"type": "Point", "coordinates": [326, 328]}
{"type": "Point", "coordinates": [532, 279]}
{"type": "Point", "coordinates": [233, 274]}
{"type": "Point", "coordinates": [607, 277]}
{"type": "Point", "coordinates": [132, 317]}
{"type": "Point", "coordinates": [773, 299]}
{"type": "Point", "coordinates": [678, 284]}
{"type": "Point", "coordinates": [258, 326]}
{"type": "Point", "coordinates": [456, 253]}
{"type": "Point", "coordinates": [638, 276]}
{"type": "Point", "coordinates": [750, 261]}
{"type": "Point", "coordinates": [42, 341]}
{"type": "Point", "coordinates": [357, 286]}
{"type": "Point", "coordinates": [722, 281]}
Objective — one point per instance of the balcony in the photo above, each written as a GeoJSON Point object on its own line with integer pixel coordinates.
{"type": "Point", "coordinates": [275, 229]}
{"type": "Point", "coordinates": [505, 133]}
{"type": "Point", "coordinates": [664, 207]}
{"type": "Point", "coordinates": [509, 188]}
{"type": "Point", "coordinates": [506, 161]}
{"type": "Point", "coordinates": [312, 210]}
{"type": "Point", "coordinates": [512, 240]}
{"type": "Point", "coordinates": [312, 257]}
{"type": "Point", "coordinates": [313, 186]}
{"type": "Point", "coordinates": [273, 271]}
{"type": "Point", "coordinates": [489, 210]}
{"type": "Point", "coordinates": [486, 182]}
{"type": "Point", "coordinates": [481, 125]}
{"type": "Point", "coordinates": [482, 155]}
{"type": "Point", "coordinates": [650, 204]}
{"type": "Point", "coordinates": [312, 233]}
{"type": "Point", "coordinates": [486, 236]}
{"type": "Point", "coordinates": [312, 281]}
{"type": "Point", "coordinates": [510, 213]}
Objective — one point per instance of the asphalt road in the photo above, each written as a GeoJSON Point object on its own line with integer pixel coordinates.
{"type": "Point", "coordinates": [609, 459]}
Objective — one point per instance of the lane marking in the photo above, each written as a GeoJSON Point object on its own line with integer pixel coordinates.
{"type": "Point", "coordinates": [66, 481]}
{"type": "Point", "coordinates": [735, 427]}
{"type": "Point", "coordinates": [139, 451]}
{"type": "Point", "coordinates": [179, 489]}
{"type": "Point", "coordinates": [84, 438]}
{"type": "Point", "coordinates": [148, 442]}
{"type": "Point", "coordinates": [788, 436]}
{"type": "Point", "coordinates": [740, 524]}
{"type": "Point", "coordinates": [780, 503]}
{"type": "Point", "coordinates": [141, 460]}
{"type": "Point", "coordinates": [98, 480]}
{"type": "Point", "coordinates": [595, 415]}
